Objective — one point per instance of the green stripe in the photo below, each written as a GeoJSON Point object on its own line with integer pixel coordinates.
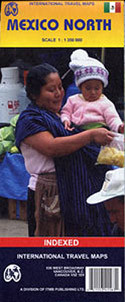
{"type": "Point", "coordinates": [106, 7]}
{"type": "Point", "coordinates": [90, 126]}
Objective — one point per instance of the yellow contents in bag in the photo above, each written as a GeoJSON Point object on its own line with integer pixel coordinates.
{"type": "Point", "coordinates": [111, 156]}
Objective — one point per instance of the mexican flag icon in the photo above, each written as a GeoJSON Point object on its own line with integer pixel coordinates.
{"type": "Point", "coordinates": [112, 7]}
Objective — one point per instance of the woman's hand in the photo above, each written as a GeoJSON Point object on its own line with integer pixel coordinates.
{"type": "Point", "coordinates": [102, 136]}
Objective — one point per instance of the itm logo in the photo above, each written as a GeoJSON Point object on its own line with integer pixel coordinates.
{"type": "Point", "coordinates": [11, 9]}
{"type": "Point", "coordinates": [12, 272]}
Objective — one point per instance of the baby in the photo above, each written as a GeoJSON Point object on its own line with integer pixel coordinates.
{"type": "Point", "coordinates": [91, 108]}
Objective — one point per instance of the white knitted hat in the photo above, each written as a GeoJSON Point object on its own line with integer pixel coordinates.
{"type": "Point", "coordinates": [87, 68]}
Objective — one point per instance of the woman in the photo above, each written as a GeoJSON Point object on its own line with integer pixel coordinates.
{"type": "Point", "coordinates": [48, 147]}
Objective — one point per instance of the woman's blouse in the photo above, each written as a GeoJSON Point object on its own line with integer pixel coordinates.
{"type": "Point", "coordinates": [36, 163]}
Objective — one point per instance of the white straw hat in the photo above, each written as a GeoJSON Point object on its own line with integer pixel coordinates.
{"type": "Point", "coordinates": [87, 68]}
{"type": "Point", "coordinates": [113, 186]}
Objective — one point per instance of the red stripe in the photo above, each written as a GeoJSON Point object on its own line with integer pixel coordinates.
{"type": "Point", "coordinates": [118, 7]}
{"type": "Point", "coordinates": [63, 242]}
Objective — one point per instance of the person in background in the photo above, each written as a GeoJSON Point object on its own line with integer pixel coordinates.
{"type": "Point", "coordinates": [112, 195]}
{"type": "Point", "coordinates": [61, 163]}
{"type": "Point", "coordinates": [90, 108]}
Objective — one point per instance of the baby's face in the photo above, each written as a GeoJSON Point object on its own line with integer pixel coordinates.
{"type": "Point", "coordinates": [91, 90]}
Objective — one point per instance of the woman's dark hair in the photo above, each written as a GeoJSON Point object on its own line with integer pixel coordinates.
{"type": "Point", "coordinates": [36, 78]}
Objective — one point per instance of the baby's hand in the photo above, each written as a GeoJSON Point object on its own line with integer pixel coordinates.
{"type": "Point", "coordinates": [121, 128]}
{"type": "Point", "coordinates": [67, 125]}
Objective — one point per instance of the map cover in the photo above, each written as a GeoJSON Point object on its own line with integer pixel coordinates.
{"type": "Point", "coordinates": [69, 267]}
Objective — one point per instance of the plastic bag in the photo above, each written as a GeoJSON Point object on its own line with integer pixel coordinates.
{"type": "Point", "coordinates": [113, 154]}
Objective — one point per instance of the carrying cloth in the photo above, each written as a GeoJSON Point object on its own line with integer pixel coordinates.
{"type": "Point", "coordinates": [49, 221]}
{"type": "Point", "coordinates": [77, 175]}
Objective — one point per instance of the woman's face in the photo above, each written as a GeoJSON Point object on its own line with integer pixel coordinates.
{"type": "Point", "coordinates": [51, 93]}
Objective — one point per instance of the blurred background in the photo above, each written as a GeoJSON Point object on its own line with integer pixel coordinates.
{"type": "Point", "coordinates": [113, 58]}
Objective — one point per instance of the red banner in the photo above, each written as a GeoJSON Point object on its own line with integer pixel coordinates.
{"type": "Point", "coordinates": [63, 242]}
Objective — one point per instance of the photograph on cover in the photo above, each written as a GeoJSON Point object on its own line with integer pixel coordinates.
{"type": "Point", "coordinates": [61, 142]}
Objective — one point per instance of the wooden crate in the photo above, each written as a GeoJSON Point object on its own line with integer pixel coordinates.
{"type": "Point", "coordinates": [17, 209]}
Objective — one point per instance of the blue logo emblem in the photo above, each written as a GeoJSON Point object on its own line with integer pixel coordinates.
{"type": "Point", "coordinates": [11, 9]}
